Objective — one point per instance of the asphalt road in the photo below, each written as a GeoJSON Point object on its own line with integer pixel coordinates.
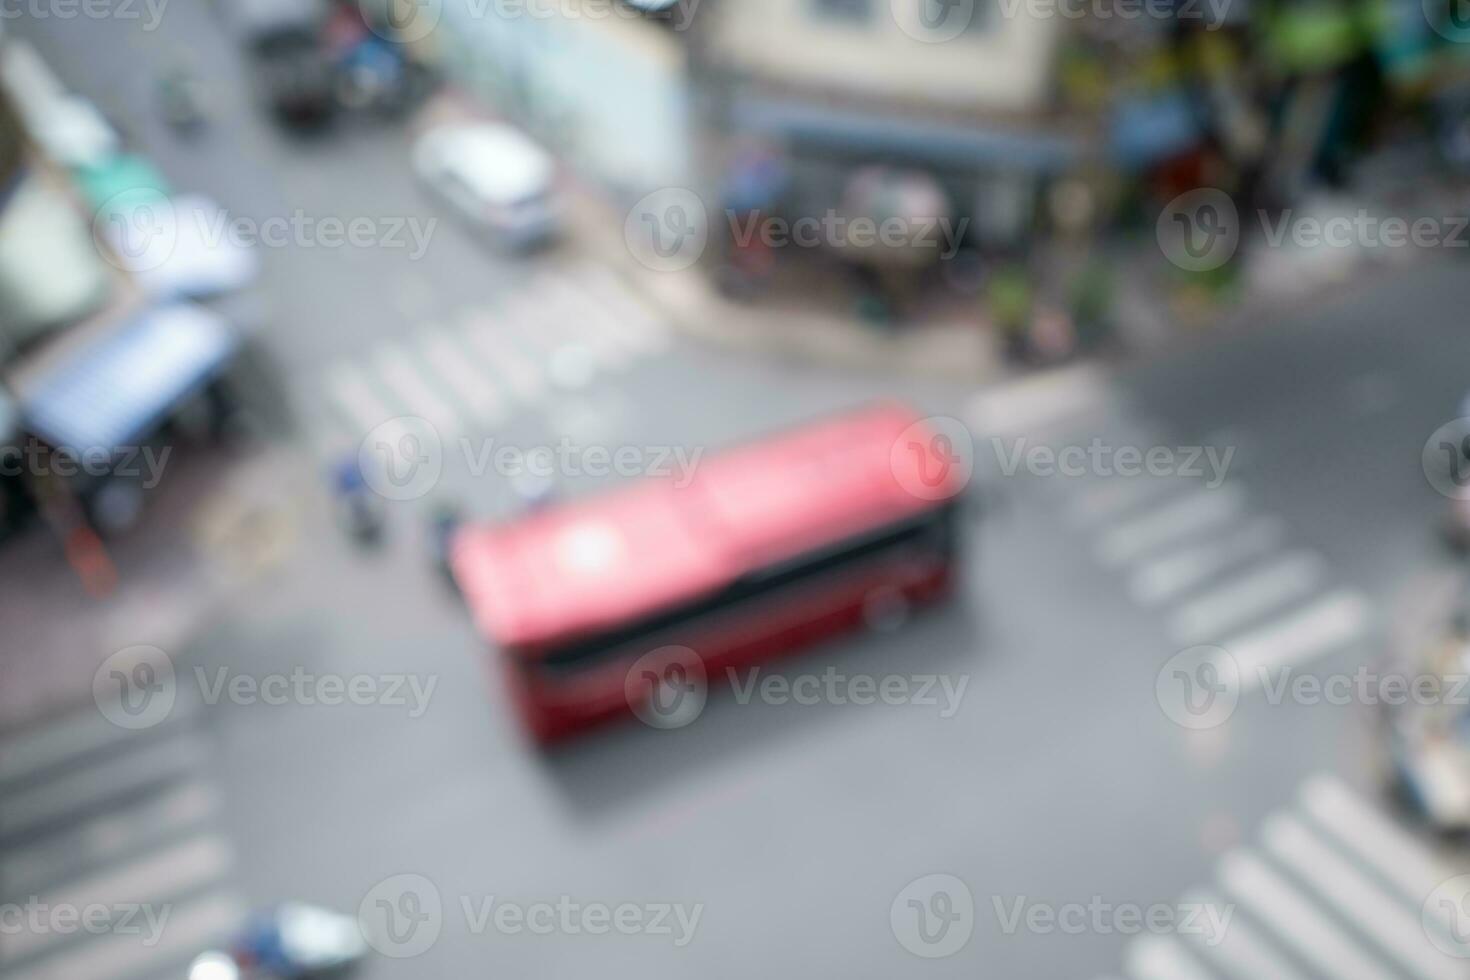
{"type": "Point", "coordinates": [1060, 778]}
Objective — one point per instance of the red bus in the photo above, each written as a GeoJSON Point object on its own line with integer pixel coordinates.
{"type": "Point", "coordinates": [769, 547]}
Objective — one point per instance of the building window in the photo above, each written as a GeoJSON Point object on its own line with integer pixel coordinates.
{"type": "Point", "coordinates": [849, 11]}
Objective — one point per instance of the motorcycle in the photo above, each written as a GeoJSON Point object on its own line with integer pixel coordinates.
{"type": "Point", "coordinates": [293, 941]}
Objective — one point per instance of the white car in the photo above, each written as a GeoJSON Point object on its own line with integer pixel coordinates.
{"type": "Point", "coordinates": [496, 176]}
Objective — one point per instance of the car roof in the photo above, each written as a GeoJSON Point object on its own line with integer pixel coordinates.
{"type": "Point", "coordinates": [499, 163]}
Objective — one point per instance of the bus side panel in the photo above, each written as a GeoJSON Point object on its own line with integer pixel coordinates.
{"type": "Point", "coordinates": [553, 708]}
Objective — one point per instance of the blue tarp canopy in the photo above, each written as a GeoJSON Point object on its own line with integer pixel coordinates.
{"type": "Point", "coordinates": [116, 391]}
{"type": "Point", "coordinates": [1148, 131]}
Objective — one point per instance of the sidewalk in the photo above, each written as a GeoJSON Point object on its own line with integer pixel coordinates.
{"type": "Point", "coordinates": [216, 522]}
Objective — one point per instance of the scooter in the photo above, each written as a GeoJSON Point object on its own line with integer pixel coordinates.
{"type": "Point", "coordinates": [293, 941]}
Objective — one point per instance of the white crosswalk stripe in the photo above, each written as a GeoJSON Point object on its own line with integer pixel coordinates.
{"type": "Point", "coordinates": [481, 331]}
{"type": "Point", "coordinates": [1335, 891]}
{"type": "Point", "coordinates": [415, 394]}
{"type": "Point", "coordinates": [1197, 510]}
{"type": "Point", "coordinates": [1039, 401]}
{"type": "Point", "coordinates": [561, 329]}
{"type": "Point", "coordinates": [115, 832]}
{"type": "Point", "coordinates": [1162, 958]}
{"type": "Point", "coordinates": [1258, 590]}
{"type": "Point", "coordinates": [1328, 624]}
{"type": "Point", "coordinates": [1242, 952]}
{"type": "Point", "coordinates": [1175, 573]}
{"type": "Point", "coordinates": [1374, 912]}
{"type": "Point", "coordinates": [446, 357]}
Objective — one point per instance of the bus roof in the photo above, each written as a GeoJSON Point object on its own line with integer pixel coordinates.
{"type": "Point", "coordinates": [597, 563]}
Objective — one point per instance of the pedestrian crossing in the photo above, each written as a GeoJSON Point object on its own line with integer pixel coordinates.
{"type": "Point", "coordinates": [476, 367]}
{"type": "Point", "coordinates": [1190, 547]}
{"type": "Point", "coordinates": [113, 865]}
{"type": "Point", "coordinates": [1332, 888]}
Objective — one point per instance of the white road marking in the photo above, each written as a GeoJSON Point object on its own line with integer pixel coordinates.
{"type": "Point", "coordinates": [1039, 400]}
{"type": "Point", "coordinates": [452, 363]}
{"type": "Point", "coordinates": [481, 331]}
{"type": "Point", "coordinates": [1378, 915]}
{"type": "Point", "coordinates": [153, 880]}
{"type": "Point", "coordinates": [398, 370]}
{"type": "Point", "coordinates": [1198, 510]}
{"type": "Point", "coordinates": [1165, 577]}
{"type": "Point", "coordinates": [1152, 957]}
{"type": "Point", "coordinates": [108, 837]}
{"type": "Point", "coordinates": [1263, 588]}
{"type": "Point", "coordinates": [349, 389]}
{"type": "Point", "coordinates": [1382, 844]}
{"type": "Point", "coordinates": [1327, 624]}
{"type": "Point", "coordinates": [64, 739]}
{"type": "Point", "coordinates": [638, 324]}
{"type": "Point", "coordinates": [1243, 952]}
{"type": "Point", "coordinates": [191, 928]}
{"type": "Point", "coordinates": [582, 322]}
{"type": "Point", "coordinates": [1295, 919]}
{"type": "Point", "coordinates": [1111, 496]}
{"type": "Point", "coordinates": [89, 785]}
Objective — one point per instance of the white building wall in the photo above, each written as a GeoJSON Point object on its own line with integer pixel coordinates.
{"type": "Point", "coordinates": [1003, 64]}
{"type": "Point", "coordinates": [607, 91]}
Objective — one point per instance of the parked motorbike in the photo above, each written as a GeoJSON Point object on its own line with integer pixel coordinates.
{"type": "Point", "coordinates": [293, 941]}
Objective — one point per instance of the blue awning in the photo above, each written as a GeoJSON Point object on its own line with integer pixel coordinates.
{"type": "Point", "coordinates": [880, 136]}
{"type": "Point", "coordinates": [1146, 131]}
{"type": "Point", "coordinates": [114, 392]}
